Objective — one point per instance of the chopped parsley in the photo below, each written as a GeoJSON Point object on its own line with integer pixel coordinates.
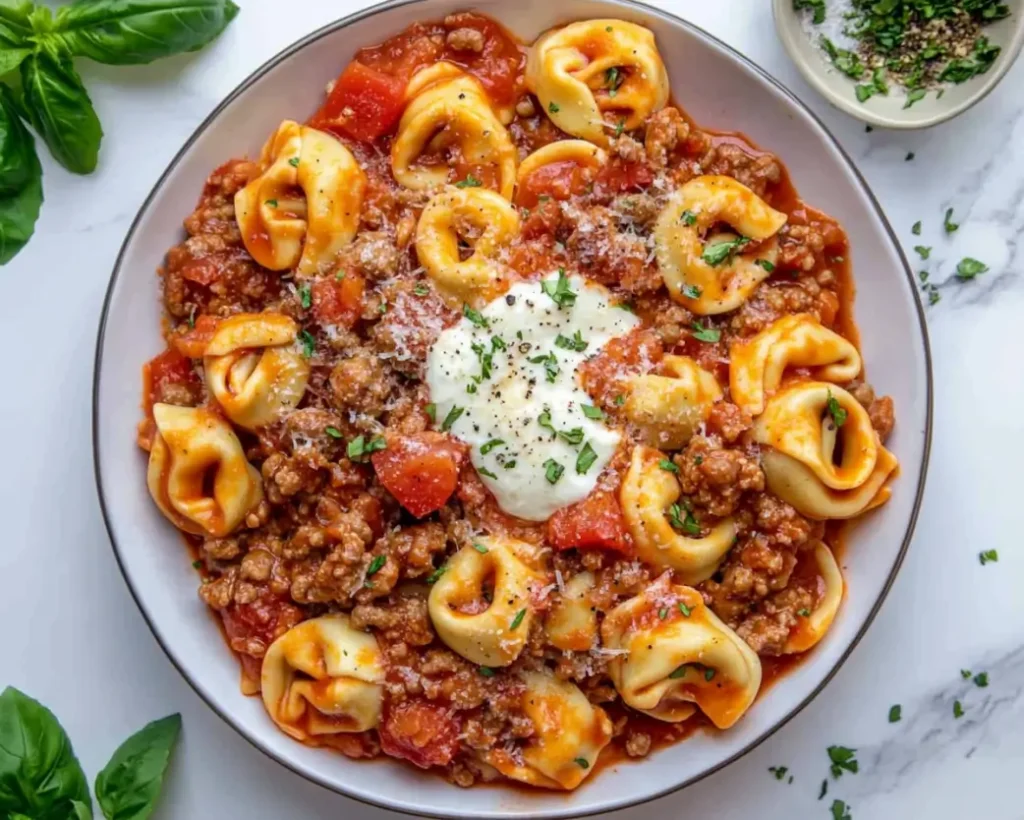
{"type": "Point", "coordinates": [550, 363]}
{"type": "Point", "coordinates": [575, 343]}
{"type": "Point", "coordinates": [778, 771]}
{"type": "Point", "coordinates": [958, 709]}
{"type": "Point", "coordinates": [192, 317]}
{"type": "Point", "coordinates": [988, 556]}
{"type": "Point", "coordinates": [846, 61]}
{"type": "Point", "coordinates": [553, 471]}
{"type": "Point", "coordinates": [559, 291]}
{"type": "Point", "coordinates": [910, 155]}
{"type": "Point", "coordinates": [480, 548]}
{"type": "Point", "coordinates": [840, 811]}
{"type": "Point", "coordinates": [768, 266]}
{"type": "Point", "coordinates": [692, 291]}
{"type": "Point", "coordinates": [435, 576]}
{"type": "Point", "coordinates": [668, 466]}
{"type": "Point", "coordinates": [359, 448]}
{"type": "Point", "coordinates": [916, 228]}
{"type": "Point", "coordinates": [718, 252]}
{"type": "Point", "coordinates": [709, 674]}
{"type": "Point", "coordinates": [895, 713]}
{"type": "Point", "coordinates": [620, 400]}
{"type": "Point", "coordinates": [582, 762]}
{"type": "Point", "coordinates": [339, 276]}
{"type": "Point", "coordinates": [686, 610]}
{"type": "Point", "coordinates": [421, 289]}
{"type": "Point", "coordinates": [968, 268]}
{"type": "Point", "coordinates": [612, 80]}
{"type": "Point", "coordinates": [486, 672]}
{"type": "Point", "coordinates": [804, 613]}
{"type": "Point", "coordinates": [923, 251]}
{"type": "Point", "coordinates": [914, 95]}
{"type": "Point", "coordinates": [544, 420]}
{"type": "Point", "coordinates": [431, 411]}
{"type": "Point", "coordinates": [843, 760]}
{"type": "Point", "coordinates": [486, 447]}
{"type": "Point", "coordinates": [572, 437]}
{"type": "Point", "coordinates": [305, 297]}
{"type": "Point", "coordinates": [308, 343]}
{"type": "Point", "coordinates": [271, 203]}
{"type": "Point", "coordinates": [585, 460]}
{"type": "Point", "coordinates": [474, 316]}
{"type": "Point", "coordinates": [592, 412]}
{"type": "Point", "coordinates": [469, 182]}
{"type": "Point", "coordinates": [705, 334]}
{"type": "Point", "coordinates": [824, 789]}
{"type": "Point", "coordinates": [981, 680]}
{"type": "Point", "coordinates": [333, 432]}
{"type": "Point", "coordinates": [678, 672]}
{"type": "Point", "coordinates": [510, 464]}
{"type": "Point", "coordinates": [837, 413]}
{"type": "Point", "coordinates": [961, 70]}
{"type": "Point", "coordinates": [620, 127]}
{"type": "Point", "coordinates": [950, 227]}
{"type": "Point", "coordinates": [663, 613]}
{"type": "Point", "coordinates": [965, 673]}
{"type": "Point", "coordinates": [866, 91]}
{"type": "Point", "coordinates": [817, 7]}
{"type": "Point", "coordinates": [688, 524]}
{"type": "Point", "coordinates": [196, 564]}
{"type": "Point", "coordinates": [553, 108]}
{"type": "Point", "coordinates": [688, 218]}
{"type": "Point", "coordinates": [376, 564]}
{"type": "Point", "coordinates": [518, 619]}
{"type": "Point", "coordinates": [486, 472]}
{"type": "Point", "coordinates": [294, 162]}
{"type": "Point", "coordinates": [451, 418]}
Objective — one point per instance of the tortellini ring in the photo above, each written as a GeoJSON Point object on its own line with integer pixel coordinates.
{"type": "Point", "coordinates": [693, 211]}
{"type": "Point", "coordinates": [253, 369]}
{"type": "Point", "coordinates": [489, 633]}
{"type": "Point", "coordinates": [575, 152]}
{"type": "Point", "coordinates": [448, 216]}
{"type": "Point", "coordinates": [569, 731]}
{"type": "Point", "coordinates": [757, 365]}
{"type": "Point", "coordinates": [812, 628]}
{"type": "Point", "coordinates": [281, 230]}
{"type": "Point", "coordinates": [597, 77]}
{"type": "Point", "coordinates": [450, 109]}
{"type": "Point", "coordinates": [822, 469]}
{"type": "Point", "coordinates": [688, 657]}
{"type": "Point", "coordinates": [571, 624]}
{"type": "Point", "coordinates": [323, 677]}
{"type": "Point", "coordinates": [668, 409]}
{"type": "Point", "coordinates": [646, 496]}
{"type": "Point", "coordinates": [198, 475]}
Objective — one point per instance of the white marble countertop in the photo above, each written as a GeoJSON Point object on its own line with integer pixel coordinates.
{"type": "Point", "coordinates": [72, 637]}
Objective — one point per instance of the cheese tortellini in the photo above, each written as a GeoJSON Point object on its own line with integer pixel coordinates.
{"type": "Point", "coordinates": [569, 734]}
{"type": "Point", "coordinates": [486, 221]}
{"type": "Point", "coordinates": [571, 624]}
{"type": "Point", "coordinates": [647, 496]}
{"type": "Point", "coordinates": [757, 365]}
{"type": "Point", "coordinates": [687, 657]}
{"type": "Point", "coordinates": [487, 632]}
{"type": "Point", "coordinates": [812, 628]}
{"type": "Point", "coordinates": [823, 469]}
{"type": "Point", "coordinates": [449, 111]}
{"type": "Point", "coordinates": [697, 275]}
{"type": "Point", "coordinates": [282, 231]}
{"type": "Point", "coordinates": [323, 677]}
{"type": "Point", "coordinates": [595, 77]}
{"type": "Point", "coordinates": [197, 473]}
{"type": "Point", "coordinates": [668, 409]}
{"type": "Point", "coordinates": [253, 369]}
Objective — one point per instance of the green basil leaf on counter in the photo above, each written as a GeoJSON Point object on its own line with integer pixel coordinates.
{"type": "Point", "coordinates": [126, 32]}
{"type": "Point", "coordinates": [129, 785]}
{"type": "Point", "coordinates": [40, 777]}
{"type": "Point", "coordinates": [59, 109]}
{"type": "Point", "coordinates": [21, 180]}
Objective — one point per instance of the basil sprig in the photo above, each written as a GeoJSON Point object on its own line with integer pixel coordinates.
{"type": "Point", "coordinates": [41, 779]}
{"type": "Point", "coordinates": [41, 47]}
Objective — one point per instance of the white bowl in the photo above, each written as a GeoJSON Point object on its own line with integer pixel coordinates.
{"type": "Point", "coordinates": [887, 111]}
{"type": "Point", "coordinates": [731, 93]}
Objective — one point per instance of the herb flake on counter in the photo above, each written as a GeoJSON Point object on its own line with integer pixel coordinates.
{"type": "Point", "coordinates": [916, 228]}
{"type": "Point", "coordinates": [923, 251]}
{"type": "Point", "coordinates": [968, 268]}
{"type": "Point", "coordinates": [948, 224]}
{"type": "Point", "coordinates": [988, 556]}
{"type": "Point", "coordinates": [843, 760]}
{"type": "Point", "coordinates": [981, 680]}
{"type": "Point", "coordinates": [895, 713]}
{"type": "Point", "coordinates": [965, 674]}
{"type": "Point", "coordinates": [840, 811]}
{"type": "Point", "coordinates": [824, 789]}
{"type": "Point", "coordinates": [778, 771]}
{"type": "Point", "coordinates": [958, 709]}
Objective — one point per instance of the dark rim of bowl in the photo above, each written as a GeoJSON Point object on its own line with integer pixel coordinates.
{"type": "Point", "coordinates": [643, 8]}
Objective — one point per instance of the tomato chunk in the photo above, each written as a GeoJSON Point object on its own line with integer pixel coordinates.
{"type": "Point", "coordinates": [596, 522]}
{"type": "Point", "coordinates": [255, 626]}
{"type": "Point", "coordinates": [170, 367]}
{"type": "Point", "coordinates": [421, 470]}
{"type": "Point", "coordinates": [557, 180]}
{"type": "Point", "coordinates": [618, 177]}
{"type": "Point", "coordinates": [364, 103]}
{"type": "Point", "coordinates": [193, 342]}
{"type": "Point", "coordinates": [420, 732]}
{"type": "Point", "coordinates": [338, 301]}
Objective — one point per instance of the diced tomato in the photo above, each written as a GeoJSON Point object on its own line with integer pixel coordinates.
{"type": "Point", "coordinates": [170, 367]}
{"type": "Point", "coordinates": [497, 66]}
{"type": "Point", "coordinates": [203, 271]}
{"type": "Point", "coordinates": [420, 732]}
{"type": "Point", "coordinates": [618, 177]}
{"type": "Point", "coordinates": [338, 301]}
{"type": "Point", "coordinates": [558, 180]}
{"type": "Point", "coordinates": [604, 377]}
{"type": "Point", "coordinates": [265, 620]}
{"type": "Point", "coordinates": [364, 103]}
{"type": "Point", "coordinates": [828, 307]}
{"type": "Point", "coordinates": [421, 470]}
{"type": "Point", "coordinates": [596, 522]}
{"type": "Point", "coordinates": [193, 342]}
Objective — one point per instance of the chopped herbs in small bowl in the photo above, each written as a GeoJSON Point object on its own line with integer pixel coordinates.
{"type": "Point", "coordinates": [901, 63]}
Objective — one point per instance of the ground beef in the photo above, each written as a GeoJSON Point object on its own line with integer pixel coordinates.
{"type": "Point", "coordinates": [638, 744]}
{"type": "Point", "coordinates": [715, 479]}
{"type": "Point", "coordinates": [398, 619]}
{"type": "Point", "coordinates": [883, 416]}
{"type": "Point", "coordinates": [754, 568]}
{"type": "Point", "coordinates": [666, 130]}
{"type": "Point", "coordinates": [361, 385]}
{"type": "Point", "coordinates": [767, 628]}
{"type": "Point", "coordinates": [728, 421]}
{"type": "Point", "coordinates": [756, 171]}
{"type": "Point", "coordinates": [609, 255]}
{"type": "Point", "coordinates": [466, 39]}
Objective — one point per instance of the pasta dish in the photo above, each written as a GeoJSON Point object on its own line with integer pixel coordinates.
{"type": "Point", "coordinates": [511, 416]}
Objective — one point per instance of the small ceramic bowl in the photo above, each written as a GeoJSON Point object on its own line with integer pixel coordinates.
{"type": "Point", "coordinates": [887, 111]}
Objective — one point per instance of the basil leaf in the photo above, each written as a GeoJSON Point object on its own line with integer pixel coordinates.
{"type": "Point", "coordinates": [39, 773]}
{"type": "Point", "coordinates": [82, 810]}
{"type": "Point", "coordinates": [11, 58]}
{"type": "Point", "coordinates": [21, 180]}
{"type": "Point", "coordinates": [15, 24]}
{"type": "Point", "coordinates": [127, 32]}
{"type": "Point", "coordinates": [60, 110]}
{"type": "Point", "coordinates": [129, 785]}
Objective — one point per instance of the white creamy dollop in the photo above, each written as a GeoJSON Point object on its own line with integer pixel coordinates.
{"type": "Point", "coordinates": [505, 381]}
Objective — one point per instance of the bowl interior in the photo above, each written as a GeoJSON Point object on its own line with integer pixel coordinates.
{"type": "Point", "coordinates": [801, 41]}
{"type": "Point", "coordinates": [720, 90]}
